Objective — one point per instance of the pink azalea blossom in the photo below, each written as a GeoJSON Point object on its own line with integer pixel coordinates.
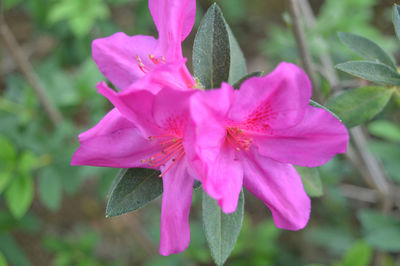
{"type": "Point", "coordinates": [148, 130]}
{"type": "Point", "coordinates": [252, 136]}
{"type": "Point", "coordinates": [125, 59]}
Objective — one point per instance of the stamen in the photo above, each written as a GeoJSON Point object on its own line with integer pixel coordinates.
{"type": "Point", "coordinates": [173, 162]}
{"type": "Point", "coordinates": [141, 65]}
{"type": "Point", "coordinates": [157, 61]}
{"type": "Point", "coordinates": [237, 139]}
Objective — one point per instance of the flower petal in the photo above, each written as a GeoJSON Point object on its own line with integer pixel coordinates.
{"type": "Point", "coordinates": [224, 179]}
{"type": "Point", "coordinates": [113, 142]}
{"type": "Point", "coordinates": [116, 56]}
{"type": "Point", "coordinates": [279, 186]}
{"type": "Point", "coordinates": [274, 101]}
{"type": "Point", "coordinates": [174, 20]}
{"type": "Point", "coordinates": [313, 142]}
{"type": "Point", "coordinates": [176, 201]}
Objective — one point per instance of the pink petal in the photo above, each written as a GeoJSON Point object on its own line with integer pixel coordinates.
{"type": "Point", "coordinates": [113, 142]}
{"type": "Point", "coordinates": [274, 101]}
{"type": "Point", "coordinates": [174, 20]}
{"type": "Point", "coordinates": [279, 186]}
{"type": "Point", "coordinates": [135, 105]}
{"type": "Point", "coordinates": [116, 57]}
{"type": "Point", "coordinates": [313, 142]}
{"type": "Point", "coordinates": [224, 179]}
{"type": "Point", "coordinates": [176, 201]}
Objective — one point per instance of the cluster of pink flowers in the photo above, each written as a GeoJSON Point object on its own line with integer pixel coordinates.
{"type": "Point", "coordinates": [224, 138]}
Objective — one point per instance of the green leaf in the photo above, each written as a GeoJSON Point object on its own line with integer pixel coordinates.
{"type": "Point", "coordinates": [211, 50]}
{"type": "Point", "coordinates": [133, 189]}
{"type": "Point", "coordinates": [372, 71]}
{"type": "Point", "coordinates": [385, 129]}
{"type": "Point", "coordinates": [19, 195]}
{"type": "Point", "coordinates": [239, 83]}
{"type": "Point", "coordinates": [3, 261]}
{"type": "Point", "coordinates": [396, 19]}
{"type": "Point", "coordinates": [311, 181]}
{"type": "Point", "coordinates": [237, 68]}
{"type": "Point", "coordinates": [359, 254]}
{"type": "Point", "coordinates": [315, 104]}
{"type": "Point", "coordinates": [50, 188]}
{"type": "Point", "coordinates": [11, 250]}
{"type": "Point", "coordinates": [367, 49]}
{"type": "Point", "coordinates": [381, 231]}
{"type": "Point", "coordinates": [388, 154]}
{"type": "Point", "coordinates": [221, 229]}
{"type": "Point", "coordinates": [357, 106]}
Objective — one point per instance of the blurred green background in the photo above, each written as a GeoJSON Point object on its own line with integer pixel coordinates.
{"type": "Point", "coordinates": [53, 214]}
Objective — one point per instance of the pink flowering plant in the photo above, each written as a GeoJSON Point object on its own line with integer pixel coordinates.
{"type": "Point", "coordinates": [220, 129]}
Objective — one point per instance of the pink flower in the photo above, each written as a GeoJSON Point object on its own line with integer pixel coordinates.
{"type": "Point", "coordinates": [252, 137]}
{"type": "Point", "coordinates": [124, 59]}
{"type": "Point", "coordinates": [148, 130]}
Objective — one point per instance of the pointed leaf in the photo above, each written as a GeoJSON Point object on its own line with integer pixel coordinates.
{"type": "Point", "coordinates": [211, 50]}
{"type": "Point", "coordinates": [239, 83]}
{"type": "Point", "coordinates": [367, 49]}
{"type": "Point", "coordinates": [237, 67]}
{"type": "Point", "coordinates": [357, 106]}
{"type": "Point", "coordinates": [385, 129]}
{"type": "Point", "coordinates": [133, 189]}
{"type": "Point", "coordinates": [315, 104]}
{"type": "Point", "coordinates": [396, 20]}
{"type": "Point", "coordinates": [372, 71]}
{"type": "Point", "coordinates": [311, 181]}
{"type": "Point", "coordinates": [359, 254]}
{"type": "Point", "coordinates": [221, 229]}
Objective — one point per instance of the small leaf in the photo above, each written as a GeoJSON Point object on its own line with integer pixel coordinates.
{"type": "Point", "coordinates": [359, 254]}
{"type": "Point", "coordinates": [3, 261]}
{"type": "Point", "coordinates": [367, 49]}
{"type": "Point", "coordinates": [239, 83]}
{"type": "Point", "coordinates": [396, 19]}
{"type": "Point", "coordinates": [50, 188]}
{"type": "Point", "coordinates": [372, 71]}
{"type": "Point", "coordinates": [221, 229]}
{"type": "Point", "coordinates": [311, 181]}
{"type": "Point", "coordinates": [357, 106]}
{"type": "Point", "coordinates": [133, 189]}
{"type": "Point", "coordinates": [385, 129]}
{"type": "Point", "coordinates": [211, 50]}
{"type": "Point", "coordinates": [19, 195]}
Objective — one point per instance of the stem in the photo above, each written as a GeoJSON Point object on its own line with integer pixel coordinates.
{"type": "Point", "coordinates": [27, 70]}
{"type": "Point", "coordinates": [302, 48]}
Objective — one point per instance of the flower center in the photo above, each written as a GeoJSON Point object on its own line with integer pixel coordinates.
{"type": "Point", "coordinates": [155, 60]}
{"type": "Point", "coordinates": [237, 139]}
{"type": "Point", "coordinates": [172, 150]}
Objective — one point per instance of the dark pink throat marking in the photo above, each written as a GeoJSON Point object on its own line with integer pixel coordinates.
{"type": "Point", "coordinates": [238, 139]}
{"type": "Point", "coordinates": [171, 151]}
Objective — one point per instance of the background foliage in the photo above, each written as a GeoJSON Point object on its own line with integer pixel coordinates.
{"type": "Point", "coordinates": [54, 214]}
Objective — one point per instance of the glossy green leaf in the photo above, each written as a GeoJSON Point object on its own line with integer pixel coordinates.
{"type": "Point", "coordinates": [211, 50]}
{"type": "Point", "coordinates": [133, 189]}
{"type": "Point", "coordinates": [385, 129]}
{"type": "Point", "coordinates": [367, 49]}
{"type": "Point", "coordinates": [311, 181]}
{"type": "Point", "coordinates": [239, 83]}
{"type": "Point", "coordinates": [396, 19]}
{"type": "Point", "coordinates": [221, 229]}
{"type": "Point", "coordinates": [19, 195]}
{"type": "Point", "coordinates": [372, 71]}
{"type": "Point", "coordinates": [359, 254]}
{"type": "Point", "coordinates": [50, 188]}
{"type": "Point", "coordinates": [357, 106]}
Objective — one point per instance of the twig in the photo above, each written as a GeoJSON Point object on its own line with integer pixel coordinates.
{"type": "Point", "coordinates": [302, 48]}
{"type": "Point", "coordinates": [27, 70]}
{"type": "Point", "coordinates": [359, 193]}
